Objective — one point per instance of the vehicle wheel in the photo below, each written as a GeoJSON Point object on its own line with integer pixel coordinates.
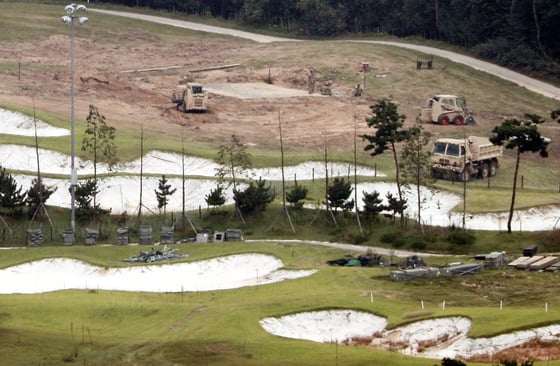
{"type": "Point", "coordinates": [484, 171]}
{"type": "Point", "coordinates": [459, 120]}
{"type": "Point", "coordinates": [493, 169]}
{"type": "Point", "coordinates": [443, 120]}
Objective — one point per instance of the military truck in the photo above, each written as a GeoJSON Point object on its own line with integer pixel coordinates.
{"type": "Point", "coordinates": [192, 99]}
{"type": "Point", "coordinates": [446, 109]}
{"type": "Point", "coordinates": [461, 159]}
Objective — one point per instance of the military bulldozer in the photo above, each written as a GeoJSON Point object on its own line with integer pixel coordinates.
{"type": "Point", "coordinates": [192, 99]}
{"type": "Point", "coordinates": [445, 110]}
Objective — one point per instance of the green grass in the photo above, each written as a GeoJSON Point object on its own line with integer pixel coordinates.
{"type": "Point", "coordinates": [221, 327]}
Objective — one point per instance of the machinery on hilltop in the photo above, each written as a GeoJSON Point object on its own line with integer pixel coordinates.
{"type": "Point", "coordinates": [192, 99]}
{"type": "Point", "coordinates": [446, 109]}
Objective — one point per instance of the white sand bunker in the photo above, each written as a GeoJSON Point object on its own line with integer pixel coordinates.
{"type": "Point", "coordinates": [432, 338]}
{"type": "Point", "coordinates": [14, 123]}
{"type": "Point", "coordinates": [325, 326]}
{"type": "Point", "coordinates": [227, 272]}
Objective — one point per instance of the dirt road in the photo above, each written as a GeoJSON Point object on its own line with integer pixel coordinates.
{"type": "Point", "coordinates": [534, 85]}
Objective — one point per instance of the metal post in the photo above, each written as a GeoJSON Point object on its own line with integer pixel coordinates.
{"type": "Point", "coordinates": [74, 174]}
{"type": "Point", "coordinates": [72, 14]}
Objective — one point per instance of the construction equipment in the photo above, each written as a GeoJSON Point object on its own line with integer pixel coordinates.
{"type": "Point", "coordinates": [461, 159]}
{"type": "Point", "coordinates": [192, 99]}
{"type": "Point", "coordinates": [446, 109]}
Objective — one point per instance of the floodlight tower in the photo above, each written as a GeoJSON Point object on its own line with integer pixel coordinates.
{"type": "Point", "coordinates": [72, 15]}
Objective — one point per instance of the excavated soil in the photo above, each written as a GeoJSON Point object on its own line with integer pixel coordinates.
{"type": "Point", "coordinates": [131, 82]}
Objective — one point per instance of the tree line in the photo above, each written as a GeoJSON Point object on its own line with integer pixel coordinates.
{"type": "Point", "coordinates": [520, 34]}
{"type": "Point", "coordinates": [408, 147]}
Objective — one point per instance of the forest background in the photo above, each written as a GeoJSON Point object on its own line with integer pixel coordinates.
{"type": "Point", "coordinates": [518, 34]}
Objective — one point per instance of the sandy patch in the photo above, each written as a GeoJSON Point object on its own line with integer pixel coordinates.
{"type": "Point", "coordinates": [433, 338]}
{"type": "Point", "coordinates": [222, 273]}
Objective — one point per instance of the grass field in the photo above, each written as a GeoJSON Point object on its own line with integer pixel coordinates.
{"type": "Point", "coordinates": [221, 327]}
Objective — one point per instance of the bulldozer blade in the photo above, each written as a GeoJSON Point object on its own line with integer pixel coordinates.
{"type": "Point", "coordinates": [470, 121]}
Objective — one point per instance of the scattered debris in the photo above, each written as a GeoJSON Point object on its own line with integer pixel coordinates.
{"type": "Point", "coordinates": [461, 269]}
{"type": "Point", "coordinates": [408, 274]}
{"type": "Point", "coordinates": [92, 78]}
{"type": "Point", "coordinates": [155, 255]}
{"type": "Point", "coordinates": [366, 260]}
{"type": "Point", "coordinates": [413, 261]}
{"type": "Point", "coordinates": [493, 260]}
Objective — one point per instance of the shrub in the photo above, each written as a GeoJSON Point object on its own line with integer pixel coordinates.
{"type": "Point", "coordinates": [461, 237]}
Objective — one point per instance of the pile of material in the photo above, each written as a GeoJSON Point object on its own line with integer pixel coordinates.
{"type": "Point", "coordinates": [155, 256]}
{"type": "Point", "coordinates": [413, 261]}
{"type": "Point", "coordinates": [366, 260]}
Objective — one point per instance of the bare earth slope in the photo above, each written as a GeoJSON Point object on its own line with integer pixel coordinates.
{"type": "Point", "coordinates": [130, 77]}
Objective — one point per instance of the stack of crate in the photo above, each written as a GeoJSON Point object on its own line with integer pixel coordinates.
{"type": "Point", "coordinates": [91, 236]}
{"type": "Point", "coordinates": [34, 237]}
{"type": "Point", "coordinates": [122, 236]}
{"type": "Point", "coordinates": [166, 235]}
{"type": "Point", "coordinates": [68, 237]}
{"type": "Point", "coordinates": [145, 233]}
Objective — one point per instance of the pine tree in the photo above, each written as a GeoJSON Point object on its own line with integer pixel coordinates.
{"type": "Point", "coordinates": [11, 195]}
{"type": "Point", "coordinates": [338, 193]}
{"type": "Point", "coordinates": [38, 194]}
{"type": "Point", "coordinates": [254, 198]}
{"type": "Point", "coordinates": [163, 192]}
{"type": "Point", "coordinates": [216, 197]}
{"type": "Point", "coordinates": [296, 195]}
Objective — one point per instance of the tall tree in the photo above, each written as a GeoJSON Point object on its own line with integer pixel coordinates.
{"type": "Point", "coordinates": [233, 159]}
{"type": "Point", "coordinates": [163, 193]}
{"type": "Point", "coordinates": [99, 140]}
{"type": "Point", "coordinates": [416, 164]}
{"type": "Point", "coordinates": [521, 136]}
{"type": "Point", "coordinates": [389, 131]}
